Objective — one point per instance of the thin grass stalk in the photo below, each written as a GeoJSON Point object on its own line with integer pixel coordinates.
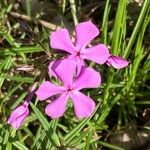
{"type": "Point", "coordinates": [105, 22]}
{"type": "Point", "coordinates": [74, 11]}
{"type": "Point", "coordinates": [116, 39]}
{"type": "Point", "coordinates": [136, 30]}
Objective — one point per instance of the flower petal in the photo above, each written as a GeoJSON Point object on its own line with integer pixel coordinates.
{"type": "Point", "coordinates": [52, 65]}
{"type": "Point", "coordinates": [57, 108]}
{"type": "Point", "coordinates": [79, 62]}
{"type": "Point", "coordinates": [117, 62]}
{"type": "Point", "coordinates": [83, 105]}
{"type": "Point", "coordinates": [98, 53]}
{"type": "Point", "coordinates": [60, 40]}
{"type": "Point", "coordinates": [18, 116]}
{"type": "Point", "coordinates": [88, 78]}
{"type": "Point", "coordinates": [48, 89]}
{"type": "Point", "coordinates": [85, 32]}
{"type": "Point", "coordinates": [65, 69]}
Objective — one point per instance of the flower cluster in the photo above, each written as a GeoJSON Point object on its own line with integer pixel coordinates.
{"type": "Point", "coordinates": [72, 72]}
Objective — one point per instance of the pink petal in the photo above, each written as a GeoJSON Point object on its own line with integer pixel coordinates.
{"type": "Point", "coordinates": [18, 116]}
{"type": "Point", "coordinates": [60, 40]}
{"type": "Point", "coordinates": [85, 32]}
{"type": "Point", "coordinates": [83, 105]}
{"type": "Point", "coordinates": [48, 89]}
{"type": "Point", "coordinates": [65, 69]}
{"type": "Point", "coordinates": [79, 62]}
{"type": "Point", "coordinates": [57, 108]}
{"type": "Point", "coordinates": [52, 66]}
{"type": "Point", "coordinates": [98, 53]}
{"type": "Point", "coordinates": [88, 78]}
{"type": "Point", "coordinates": [117, 62]}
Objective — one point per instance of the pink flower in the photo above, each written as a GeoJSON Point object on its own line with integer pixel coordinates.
{"type": "Point", "coordinates": [117, 62]}
{"type": "Point", "coordinates": [18, 115]}
{"type": "Point", "coordinates": [65, 71]}
{"type": "Point", "coordinates": [78, 51]}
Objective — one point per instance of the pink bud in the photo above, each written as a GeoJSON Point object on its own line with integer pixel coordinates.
{"type": "Point", "coordinates": [117, 62]}
{"type": "Point", "coordinates": [18, 115]}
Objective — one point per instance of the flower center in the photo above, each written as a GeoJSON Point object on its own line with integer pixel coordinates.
{"type": "Point", "coordinates": [69, 89]}
{"type": "Point", "coordinates": [78, 54]}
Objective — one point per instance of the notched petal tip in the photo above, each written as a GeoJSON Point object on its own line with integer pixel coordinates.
{"type": "Point", "coordinates": [57, 108]}
{"type": "Point", "coordinates": [98, 53]}
{"type": "Point", "coordinates": [85, 32]}
{"type": "Point", "coordinates": [60, 39]}
{"type": "Point", "coordinates": [88, 78]}
{"type": "Point", "coordinates": [83, 105]}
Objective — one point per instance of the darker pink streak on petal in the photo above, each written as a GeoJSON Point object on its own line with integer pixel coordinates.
{"type": "Point", "coordinates": [18, 116]}
{"type": "Point", "coordinates": [57, 108]}
{"type": "Point", "coordinates": [65, 69]}
{"type": "Point", "coordinates": [48, 89]}
{"type": "Point", "coordinates": [98, 53]}
{"type": "Point", "coordinates": [117, 62]}
{"type": "Point", "coordinates": [85, 32]}
{"type": "Point", "coordinates": [52, 65]}
{"type": "Point", "coordinates": [88, 78]}
{"type": "Point", "coordinates": [83, 105]}
{"type": "Point", "coordinates": [79, 62]}
{"type": "Point", "coordinates": [60, 40]}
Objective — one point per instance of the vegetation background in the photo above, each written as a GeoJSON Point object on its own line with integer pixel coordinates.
{"type": "Point", "coordinates": [122, 116]}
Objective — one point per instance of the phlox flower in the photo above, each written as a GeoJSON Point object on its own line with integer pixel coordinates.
{"type": "Point", "coordinates": [78, 51]}
{"type": "Point", "coordinates": [72, 84]}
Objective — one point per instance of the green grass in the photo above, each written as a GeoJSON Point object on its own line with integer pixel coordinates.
{"type": "Point", "coordinates": [125, 91]}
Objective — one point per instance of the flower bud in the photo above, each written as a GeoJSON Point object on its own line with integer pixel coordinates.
{"type": "Point", "coordinates": [18, 115]}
